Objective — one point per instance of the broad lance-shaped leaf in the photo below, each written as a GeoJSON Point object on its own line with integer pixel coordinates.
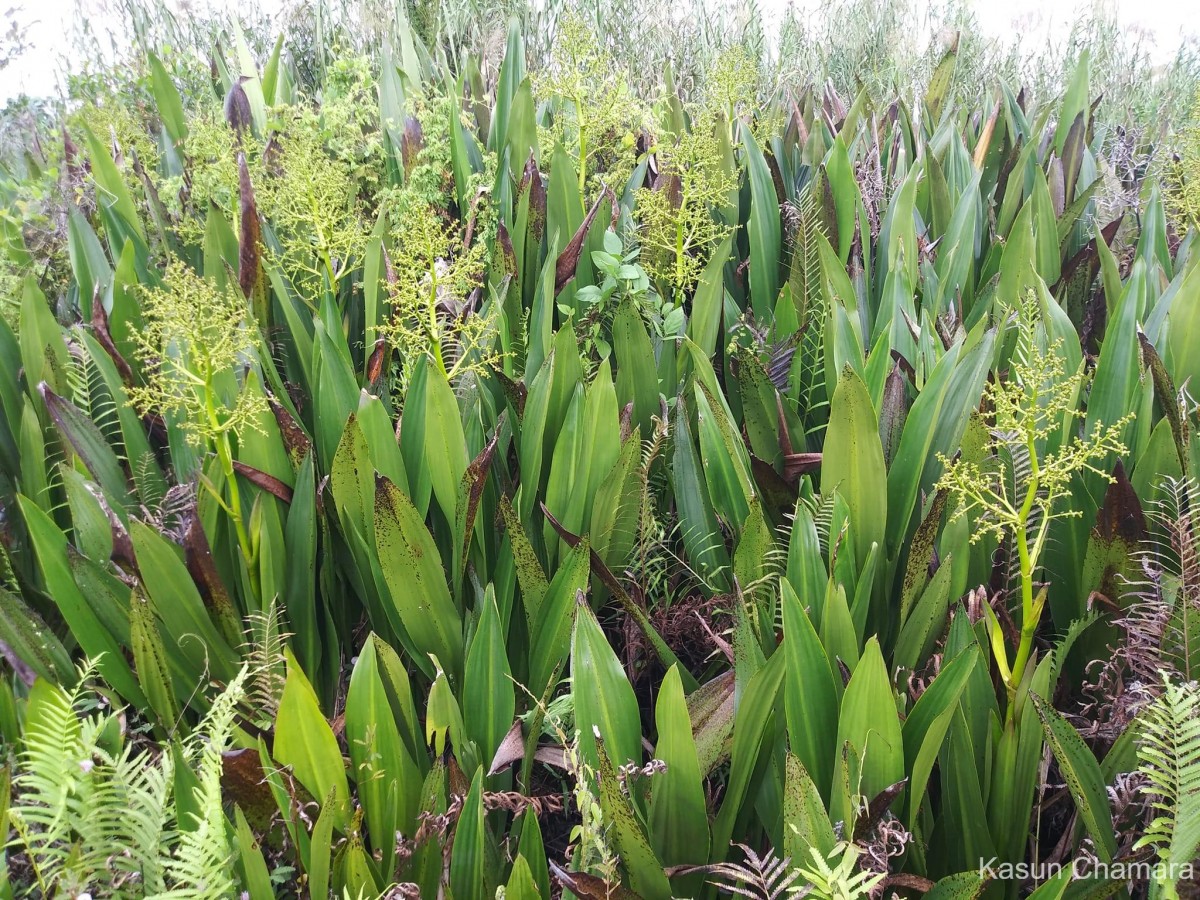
{"type": "Point", "coordinates": [34, 644]}
{"type": "Point", "coordinates": [754, 724]}
{"type": "Point", "coordinates": [179, 607]}
{"type": "Point", "coordinates": [86, 440]}
{"type": "Point", "coordinates": [468, 864]}
{"type": "Point", "coordinates": [1082, 774]}
{"type": "Point", "coordinates": [605, 704]}
{"type": "Point", "coordinates": [807, 826]}
{"type": "Point", "coordinates": [552, 629]}
{"type": "Point", "coordinates": [852, 461]}
{"type": "Point", "coordinates": [445, 443]}
{"type": "Point", "coordinates": [925, 729]}
{"type": "Point", "coordinates": [678, 816]}
{"type": "Point", "coordinates": [488, 698]}
{"type": "Point", "coordinates": [644, 871]}
{"type": "Point", "coordinates": [388, 780]}
{"type": "Point", "coordinates": [870, 725]}
{"type": "Point", "coordinates": [305, 742]}
{"type": "Point", "coordinates": [637, 378]}
{"type": "Point", "coordinates": [150, 658]}
{"type": "Point", "coordinates": [810, 692]}
{"type": "Point", "coordinates": [764, 230]}
{"type": "Point", "coordinates": [415, 578]}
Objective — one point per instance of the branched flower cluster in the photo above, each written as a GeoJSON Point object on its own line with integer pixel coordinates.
{"type": "Point", "coordinates": [432, 308]}
{"type": "Point", "coordinates": [1183, 173]}
{"type": "Point", "coordinates": [194, 336]}
{"type": "Point", "coordinates": [598, 117]}
{"type": "Point", "coordinates": [1030, 408]}
{"type": "Point", "coordinates": [212, 175]}
{"type": "Point", "coordinates": [678, 229]}
{"type": "Point", "coordinates": [312, 202]}
{"type": "Point", "coordinates": [1017, 490]}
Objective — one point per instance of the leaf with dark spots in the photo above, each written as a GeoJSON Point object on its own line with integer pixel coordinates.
{"type": "Point", "coordinates": [1121, 513]}
{"type": "Point", "coordinates": [530, 575]}
{"type": "Point", "coordinates": [589, 887]}
{"type": "Point", "coordinates": [295, 438]}
{"type": "Point", "coordinates": [876, 809]}
{"type": "Point", "coordinates": [250, 272]}
{"type": "Point", "coordinates": [508, 256]}
{"type": "Point", "coordinates": [200, 565]}
{"type": "Point", "coordinates": [515, 392]}
{"type": "Point", "coordinates": [244, 782]}
{"type": "Point", "coordinates": [828, 210]}
{"type": "Point", "coordinates": [778, 493]}
{"type": "Point", "coordinates": [1167, 397]}
{"type": "Point", "coordinates": [893, 413]}
{"type": "Point", "coordinates": [635, 612]}
{"type": "Point", "coordinates": [88, 443]}
{"type": "Point", "coordinates": [568, 260]}
{"type": "Point", "coordinates": [100, 328]}
{"type": "Point", "coordinates": [1111, 559]}
{"type": "Point", "coordinates": [531, 180]}
{"type": "Point", "coordinates": [670, 184]}
{"type": "Point", "coordinates": [626, 421]}
{"type": "Point", "coordinates": [921, 554]}
{"type": "Point", "coordinates": [412, 140]}
{"type": "Point", "coordinates": [473, 481]}
{"type": "Point", "coordinates": [1074, 285]}
{"type": "Point", "coordinates": [261, 479]}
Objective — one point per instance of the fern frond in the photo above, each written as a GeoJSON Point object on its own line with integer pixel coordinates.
{"type": "Point", "coordinates": [1162, 624]}
{"type": "Point", "coordinates": [199, 869]}
{"type": "Point", "coordinates": [1170, 759]}
{"type": "Point", "coordinates": [263, 652]}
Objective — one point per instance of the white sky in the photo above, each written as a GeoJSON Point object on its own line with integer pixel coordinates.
{"type": "Point", "coordinates": [1166, 24]}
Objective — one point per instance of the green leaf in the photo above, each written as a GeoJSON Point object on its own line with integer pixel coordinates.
{"type": "Point", "coordinates": [150, 658]}
{"type": "Point", "coordinates": [305, 742]}
{"type": "Point", "coordinates": [810, 692]}
{"type": "Point", "coordinates": [167, 101]}
{"type": "Point", "coordinates": [488, 698]}
{"type": "Point", "coordinates": [763, 229]}
{"type": "Point", "coordinates": [50, 548]}
{"type": "Point", "coordinates": [1082, 774]}
{"type": "Point", "coordinates": [605, 705]}
{"type": "Point", "coordinates": [467, 861]}
{"type": "Point", "coordinates": [852, 462]}
{"type": "Point", "coordinates": [445, 444]}
{"type": "Point", "coordinates": [963, 886]}
{"type": "Point", "coordinates": [678, 817]}
{"type": "Point", "coordinates": [387, 779]}
{"type": "Point", "coordinates": [806, 824]}
{"type": "Point", "coordinates": [178, 605]}
{"type": "Point", "coordinates": [869, 723]}
{"type": "Point", "coordinates": [415, 578]}
{"type": "Point", "coordinates": [637, 378]}
{"type": "Point", "coordinates": [28, 636]}
{"type": "Point", "coordinates": [643, 868]}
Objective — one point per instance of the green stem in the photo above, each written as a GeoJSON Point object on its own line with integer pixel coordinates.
{"type": "Point", "coordinates": [1029, 618]}
{"type": "Point", "coordinates": [234, 507]}
{"type": "Point", "coordinates": [582, 150]}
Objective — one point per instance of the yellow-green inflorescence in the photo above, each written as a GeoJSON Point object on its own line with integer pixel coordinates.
{"type": "Point", "coordinates": [1016, 491]}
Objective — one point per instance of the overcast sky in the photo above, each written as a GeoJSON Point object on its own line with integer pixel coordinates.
{"type": "Point", "coordinates": [1166, 23]}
